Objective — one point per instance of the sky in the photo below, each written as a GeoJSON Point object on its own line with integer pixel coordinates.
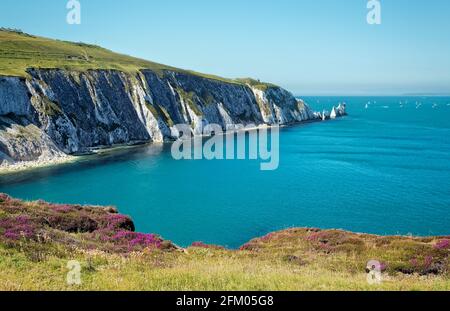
{"type": "Point", "coordinates": [310, 47]}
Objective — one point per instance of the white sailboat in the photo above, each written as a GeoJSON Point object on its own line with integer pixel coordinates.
{"type": "Point", "coordinates": [333, 114]}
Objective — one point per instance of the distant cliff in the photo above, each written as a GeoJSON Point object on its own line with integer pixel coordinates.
{"type": "Point", "coordinates": [53, 112]}
{"type": "Point", "coordinates": [65, 112]}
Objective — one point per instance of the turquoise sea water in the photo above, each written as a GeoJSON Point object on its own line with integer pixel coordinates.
{"type": "Point", "coordinates": [383, 170]}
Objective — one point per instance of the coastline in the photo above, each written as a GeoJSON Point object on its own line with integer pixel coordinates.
{"type": "Point", "coordinates": [25, 166]}
{"type": "Point", "coordinates": [22, 167]}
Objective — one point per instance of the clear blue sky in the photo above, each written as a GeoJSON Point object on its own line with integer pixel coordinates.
{"type": "Point", "coordinates": [311, 47]}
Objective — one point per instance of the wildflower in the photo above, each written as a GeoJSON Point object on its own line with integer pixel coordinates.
{"type": "Point", "coordinates": [443, 244]}
{"type": "Point", "coordinates": [428, 261]}
{"type": "Point", "coordinates": [62, 208]}
{"type": "Point", "coordinates": [16, 227]}
{"type": "Point", "coordinates": [200, 244]}
{"type": "Point", "coordinates": [11, 235]}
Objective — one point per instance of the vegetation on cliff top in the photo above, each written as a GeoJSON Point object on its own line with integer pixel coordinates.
{"type": "Point", "coordinates": [262, 86]}
{"type": "Point", "coordinates": [37, 239]}
{"type": "Point", "coordinates": [38, 227]}
{"type": "Point", "coordinates": [20, 51]}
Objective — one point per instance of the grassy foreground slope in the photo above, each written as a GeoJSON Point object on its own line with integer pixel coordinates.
{"type": "Point", "coordinates": [20, 51]}
{"type": "Point", "coordinates": [37, 239]}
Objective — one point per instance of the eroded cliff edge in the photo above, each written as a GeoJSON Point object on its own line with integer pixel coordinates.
{"type": "Point", "coordinates": [53, 112]}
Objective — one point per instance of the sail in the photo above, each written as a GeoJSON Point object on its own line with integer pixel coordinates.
{"type": "Point", "coordinates": [333, 114]}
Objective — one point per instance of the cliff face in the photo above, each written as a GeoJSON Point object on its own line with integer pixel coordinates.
{"type": "Point", "coordinates": [57, 112]}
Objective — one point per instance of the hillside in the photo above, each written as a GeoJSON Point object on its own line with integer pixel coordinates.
{"type": "Point", "coordinates": [37, 239]}
{"type": "Point", "coordinates": [20, 51]}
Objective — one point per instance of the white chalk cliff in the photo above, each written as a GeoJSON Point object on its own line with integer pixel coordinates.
{"type": "Point", "coordinates": [55, 112]}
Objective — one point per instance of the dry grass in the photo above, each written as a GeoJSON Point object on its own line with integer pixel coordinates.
{"type": "Point", "coordinates": [199, 269]}
{"type": "Point", "coordinates": [294, 259]}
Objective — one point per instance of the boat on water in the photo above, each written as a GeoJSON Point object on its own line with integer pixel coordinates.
{"type": "Point", "coordinates": [333, 113]}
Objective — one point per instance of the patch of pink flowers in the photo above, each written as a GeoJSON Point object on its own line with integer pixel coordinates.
{"type": "Point", "coordinates": [428, 261]}
{"type": "Point", "coordinates": [200, 244]}
{"type": "Point", "coordinates": [315, 236]}
{"type": "Point", "coordinates": [17, 227]}
{"type": "Point", "coordinates": [443, 244]}
{"type": "Point", "coordinates": [247, 247]}
{"type": "Point", "coordinates": [62, 208]}
{"type": "Point", "coordinates": [267, 237]}
{"type": "Point", "coordinates": [383, 266]}
{"type": "Point", "coordinates": [9, 204]}
{"type": "Point", "coordinates": [138, 239]}
{"type": "Point", "coordinates": [114, 221]}
{"type": "Point", "coordinates": [11, 234]}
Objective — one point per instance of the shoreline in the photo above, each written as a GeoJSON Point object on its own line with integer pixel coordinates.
{"type": "Point", "coordinates": [21, 167]}
{"type": "Point", "coordinates": [28, 166]}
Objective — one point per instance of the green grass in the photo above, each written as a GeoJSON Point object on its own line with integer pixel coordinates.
{"type": "Point", "coordinates": [262, 86]}
{"type": "Point", "coordinates": [294, 259]}
{"type": "Point", "coordinates": [50, 108]}
{"type": "Point", "coordinates": [199, 269]}
{"type": "Point", "coordinates": [159, 111]}
{"type": "Point", "coordinates": [20, 51]}
{"type": "Point", "coordinates": [188, 97]}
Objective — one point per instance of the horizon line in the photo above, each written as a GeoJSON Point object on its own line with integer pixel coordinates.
{"type": "Point", "coordinates": [371, 95]}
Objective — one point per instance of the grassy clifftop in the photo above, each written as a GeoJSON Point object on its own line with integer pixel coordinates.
{"type": "Point", "coordinates": [37, 239]}
{"type": "Point", "coordinates": [20, 51]}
